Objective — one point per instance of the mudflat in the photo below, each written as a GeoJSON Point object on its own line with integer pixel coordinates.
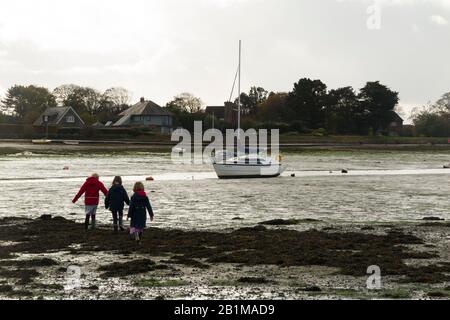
{"type": "Point", "coordinates": [268, 260]}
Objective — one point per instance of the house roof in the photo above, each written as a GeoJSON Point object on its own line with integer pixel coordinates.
{"type": "Point", "coordinates": [142, 108]}
{"type": "Point", "coordinates": [146, 108]}
{"type": "Point", "coordinates": [395, 117]}
{"type": "Point", "coordinates": [98, 124]}
{"type": "Point", "coordinates": [218, 111]}
{"type": "Point", "coordinates": [55, 115]}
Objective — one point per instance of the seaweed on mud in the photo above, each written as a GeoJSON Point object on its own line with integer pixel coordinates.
{"type": "Point", "coordinates": [350, 252]}
{"type": "Point", "coordinates": [253, 280]}
{"type": "Point", "coordinates": [45, 286]}
{"type": "Point", "coordinates": [289, 222]}
{"type": "Point", "coordinates": [40, 262]}
{"type": "Point", "coordinates": [436, 224]}
{"type": "Point", "coordinates": [25, 276]}
{"type": "Point", "coordinates": [396, 294]}
{"type": "Point", "coordinates": [438, 294]}
{"type": "Point", "coordinates": [116, 269]}
{"type": "Point", "coordinates": [154, 283]}
{"type": "Point", "coordinates": [5, 288]}
{"type": "Point", "coordinates": [312, 289]}
{"type": "Point", "coordinates": [188, 262]}
{"type": "Point", "coordinates": [427, 274]}
{"type": "Point", "coordinates": [93, 288]}
{"type": "Point", "coordinates": [21, 293]}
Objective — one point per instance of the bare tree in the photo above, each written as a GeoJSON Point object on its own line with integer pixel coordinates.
{"type": "Point", "coordinates": [63, 92]}
{"type": "Point", "coordinates": [92, 99]}
{"type": "Point", "coordinates": [186, 102]}
{"type": "Point", "coordinates": [443, 104]}
{"type": "Point", "coordinates": [400, 111]}
{"type": "Point", "coordinates": [117, 96]}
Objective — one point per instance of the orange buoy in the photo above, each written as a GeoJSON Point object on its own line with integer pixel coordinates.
{"type": "Point", "coordinates": [150, 179]}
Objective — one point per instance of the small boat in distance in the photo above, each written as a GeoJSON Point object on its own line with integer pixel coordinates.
{"type": "Point", "coordinates": [41, 141]}
{"type": "Point", "coordinates": [246, 164]}
{"type": "Point", "coordinates": [71, 142]}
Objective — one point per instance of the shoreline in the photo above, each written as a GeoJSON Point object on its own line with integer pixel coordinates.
{"type": "Point", "coordinates": [267, 261]}
{"type": "Point", "coordinates": [8, 147]}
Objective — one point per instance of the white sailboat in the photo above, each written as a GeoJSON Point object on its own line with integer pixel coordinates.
{"type": "Point", "coordinates": [246, 165]}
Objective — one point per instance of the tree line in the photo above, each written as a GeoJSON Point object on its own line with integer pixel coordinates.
{"type": "Point", "coordinates": [24, 104]}
{"type": "Point", "coordinates": [310, 107]}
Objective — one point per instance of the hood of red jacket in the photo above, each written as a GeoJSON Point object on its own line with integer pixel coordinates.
{"type": "Point", "coordinates": [141, 193]}
{"type": "Point", "coordinates": [92, 180]}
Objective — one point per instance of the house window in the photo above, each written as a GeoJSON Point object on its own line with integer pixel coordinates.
{"type": "Point", "coordinates": [70, 119]}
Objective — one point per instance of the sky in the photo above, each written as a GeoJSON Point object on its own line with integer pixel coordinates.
{"type": "Point", "coordinates": [158, 49]}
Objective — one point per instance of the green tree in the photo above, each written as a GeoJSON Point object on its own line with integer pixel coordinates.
{"type": "Point", "coordinates": [85, 100]}
{"type": "Point", "coordinates": [275, 108]}
{"type": "Point", "coordinates": [432, 124]}
{"type": "Point", "coordinates": [250, 101]}
{"type": "Point", "coordinates": [27, 102]}
{"type": "Point", "coordinates": [344, 114]}
{"type": "Point", "coordinates": [308, 100]}
{"type": "Point", "coordinates": [379, 102]}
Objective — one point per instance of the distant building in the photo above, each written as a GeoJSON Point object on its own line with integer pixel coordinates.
{"type": "Point", "coordinates": [227, 112]}
{"type": "Point", "coordinates": [147, 114]}
{"type": "Point", "coordinates": [397, 121]}
{"type": "Point", "coordinates": [60, 117]}
{"type": "Point", "coordinates": [396, 126]}
{"type": "Point", "coordinates": [217, 112]}
{"type": "Point", "coordinates": [98, 124]}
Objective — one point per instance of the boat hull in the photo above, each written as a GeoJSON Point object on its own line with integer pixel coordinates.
{"type": "Point", "coordinates": [247, 171]}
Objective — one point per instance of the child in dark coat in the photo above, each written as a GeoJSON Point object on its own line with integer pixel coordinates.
{"type": "Point", "coordinates": [139, 205]}
{"type": "Point", "coordinates": [115, 202]}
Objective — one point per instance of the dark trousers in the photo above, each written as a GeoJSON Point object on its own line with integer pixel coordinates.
{"type": "Point", "coordinates": [118, 217]}
{"type": "Point", "coordinates": [86, 221]}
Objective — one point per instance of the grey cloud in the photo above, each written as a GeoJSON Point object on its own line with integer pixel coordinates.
{"type": "Point", "coordinates": [194, 48]}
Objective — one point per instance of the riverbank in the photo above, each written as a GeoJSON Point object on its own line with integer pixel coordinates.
{"type": "Point", "coordinates": [274, 259]}
{"type": "Point", "coordinates": [8, 147]}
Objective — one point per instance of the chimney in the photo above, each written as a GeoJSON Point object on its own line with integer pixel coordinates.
{"type": "Point", "coordinates": [142, 99]}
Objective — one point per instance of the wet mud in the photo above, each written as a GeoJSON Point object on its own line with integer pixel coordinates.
{"type": "Point", "coordinates": [403, 256]}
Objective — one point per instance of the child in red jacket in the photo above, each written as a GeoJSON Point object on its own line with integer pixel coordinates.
{"type": "Point", "coordinates": [91, 189]}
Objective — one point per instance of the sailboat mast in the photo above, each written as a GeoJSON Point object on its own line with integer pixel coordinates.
{"type": "Point", "coordinates": [239, 90]}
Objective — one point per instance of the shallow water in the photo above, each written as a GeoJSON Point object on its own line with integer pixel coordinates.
{"type": "Point", "coordinates": [380, 187]}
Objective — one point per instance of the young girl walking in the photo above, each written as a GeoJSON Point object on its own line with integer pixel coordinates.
{"type": "Point", "coordinates": [115, 202]}
{"type": "Point", "coordinates": [91, 190]}
{"type": "Point", "coordinates": [139, 205]}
